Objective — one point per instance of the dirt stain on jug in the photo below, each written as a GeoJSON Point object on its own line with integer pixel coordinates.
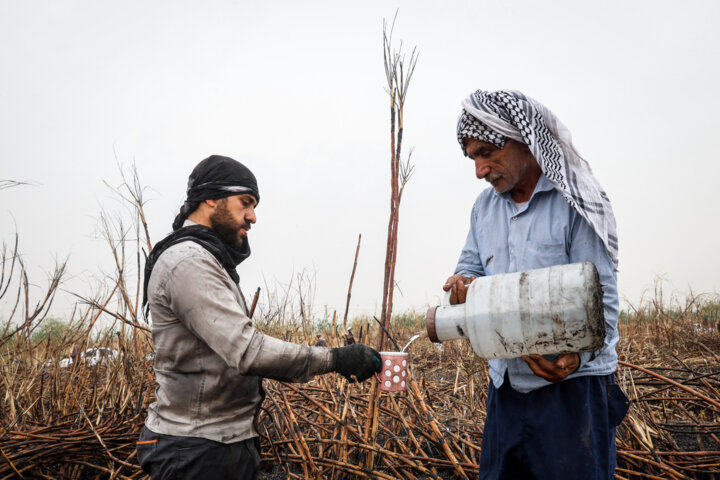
{"type": "Point", "coordinates": [595, 313]}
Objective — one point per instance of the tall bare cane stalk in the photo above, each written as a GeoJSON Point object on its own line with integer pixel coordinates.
{"type": "Point", "coordinates": [398, 74]}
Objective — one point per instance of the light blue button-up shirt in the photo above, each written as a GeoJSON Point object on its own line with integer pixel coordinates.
{"type": "Point", "coordinates": [546, 231]}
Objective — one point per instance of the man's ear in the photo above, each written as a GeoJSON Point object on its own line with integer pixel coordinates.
{"type": "Point", "coordinates": [211, 202]}
{"type": "Point", "coordinates": [526, 151]}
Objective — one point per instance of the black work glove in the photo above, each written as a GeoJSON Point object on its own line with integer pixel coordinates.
{"type": "Point", "coordinates": [356, 362]}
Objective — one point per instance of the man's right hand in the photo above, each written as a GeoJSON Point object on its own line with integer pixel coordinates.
{"type": "Point", "coordinates": [458, 285]}
{"type": "Point", "coordinates": [356, 362]}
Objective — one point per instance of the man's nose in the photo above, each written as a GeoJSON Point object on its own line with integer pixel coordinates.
{"type": "Point", "coordinates": [482, 168]}
{"type": "Point", "coordinates": [250, 215]}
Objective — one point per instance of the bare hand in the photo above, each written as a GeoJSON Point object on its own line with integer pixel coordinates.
{"type": "Point", "coordinates": [459, 285]}
{"type": "Point", "coordinates": [556, 370]}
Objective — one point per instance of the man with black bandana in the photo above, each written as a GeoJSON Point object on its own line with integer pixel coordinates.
{"type": "Point", "coordinates": [210, 360]}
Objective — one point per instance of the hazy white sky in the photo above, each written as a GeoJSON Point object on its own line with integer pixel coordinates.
{"type": "Point", "coordinates": [295, 91]}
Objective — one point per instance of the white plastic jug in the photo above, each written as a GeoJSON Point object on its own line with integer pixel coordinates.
{"type": "Point", "coordinates": [545, 311]}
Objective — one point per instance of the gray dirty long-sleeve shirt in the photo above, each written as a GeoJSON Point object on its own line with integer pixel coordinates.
{"type": "Point", "coordinates": [209, 359]}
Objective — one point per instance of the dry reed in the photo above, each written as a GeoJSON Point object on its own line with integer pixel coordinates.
{"type": "Point", "coordinates": [83, 422]}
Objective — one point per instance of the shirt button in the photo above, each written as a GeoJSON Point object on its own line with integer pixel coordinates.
{"type": "Point", "coordinates": [514, 218]}
{"type": "Point", "coordinates": [512, 250]}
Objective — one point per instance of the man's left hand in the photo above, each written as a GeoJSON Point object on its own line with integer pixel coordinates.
{"type": "Point", "coordinates": [556, 370]}
{"type": "Point", "coordinates": [356, 362]}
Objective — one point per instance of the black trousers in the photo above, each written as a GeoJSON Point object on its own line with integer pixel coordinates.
{"type": "Point", "coordinates": [167, 457]}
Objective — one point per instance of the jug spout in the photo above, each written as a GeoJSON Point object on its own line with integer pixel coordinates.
{"type": "Point", "coordinates": [430, 324]}
{"type": "Point", "coordinates": [446, 322]}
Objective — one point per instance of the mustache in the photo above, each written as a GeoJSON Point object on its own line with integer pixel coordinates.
{"type": "Point", "coordinates": [492, 177]}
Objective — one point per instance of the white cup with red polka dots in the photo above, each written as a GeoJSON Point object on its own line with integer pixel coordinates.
{"type": "Point", "coordinates": [393, 377]}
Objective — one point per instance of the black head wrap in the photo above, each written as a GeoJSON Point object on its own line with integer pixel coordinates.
{"type": "Point", "coordinates": [213, 178]}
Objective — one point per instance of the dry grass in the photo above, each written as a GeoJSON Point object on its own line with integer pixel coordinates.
{"type": "Point", "coordinates": [83, 422]}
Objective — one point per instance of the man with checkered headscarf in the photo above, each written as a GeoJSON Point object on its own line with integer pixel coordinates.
{"type": "Point", "coordinates": [552, 416]}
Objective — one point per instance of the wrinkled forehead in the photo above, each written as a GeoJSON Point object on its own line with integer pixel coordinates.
{"type": "Point", "coordinates": [470, 127]}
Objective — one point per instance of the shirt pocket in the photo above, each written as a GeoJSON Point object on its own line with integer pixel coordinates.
{"type": "Point", "coordinates": [540, 255]}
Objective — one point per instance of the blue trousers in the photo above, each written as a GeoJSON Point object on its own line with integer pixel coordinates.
{"type": "Point", "coordinates": [564, 431]}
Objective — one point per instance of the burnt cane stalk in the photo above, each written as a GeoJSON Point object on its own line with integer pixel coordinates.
{"type": "Point", "coordinates": [398, 79]}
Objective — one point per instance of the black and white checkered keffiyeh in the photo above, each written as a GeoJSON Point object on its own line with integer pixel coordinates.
{"type": "Point", "coordinates": [493, 117]}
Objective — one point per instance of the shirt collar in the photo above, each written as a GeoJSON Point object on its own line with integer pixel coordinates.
{"type": "Point", "coordinates": [543, 185]}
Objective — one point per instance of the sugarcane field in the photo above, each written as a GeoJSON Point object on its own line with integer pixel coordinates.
{"type": "Point", "coordinates": [81, 421]}
{"type": "Point", "coordinates": [444, 282]}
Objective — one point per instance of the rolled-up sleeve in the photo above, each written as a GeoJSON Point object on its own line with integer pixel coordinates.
{"type": "Point", "coordinates": [199, 293]}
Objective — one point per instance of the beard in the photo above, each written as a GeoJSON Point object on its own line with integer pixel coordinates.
{"type": "Point", "coordinates": [227, 228]}
{"type": "Point", "coordinates": [492, 177]}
